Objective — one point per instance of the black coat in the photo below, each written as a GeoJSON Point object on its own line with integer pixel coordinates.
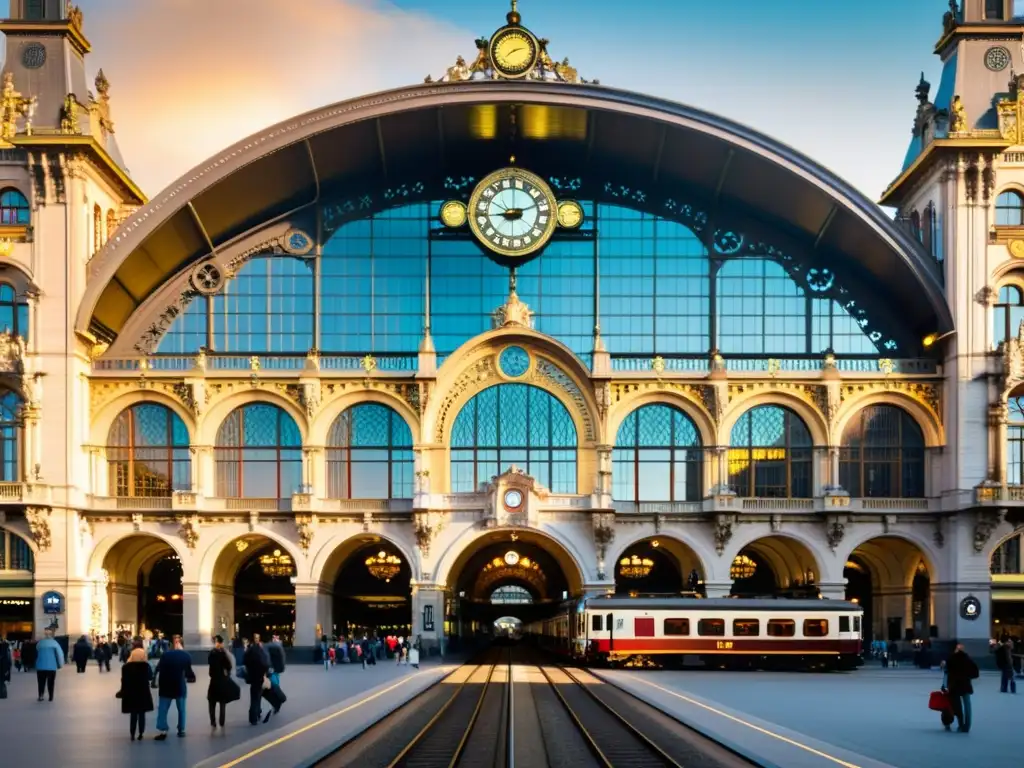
{"type": "Point", "coordinates": [174, 670]}
{"type": "Point", "coordinates": [222, 687]}
{"type": "Point", "coordinates": [135, 692]}
{"type": "Point", "coordinates": [6, 654]}
{"type": "Point", "coordinates": [1004, 656]}
{"type": "Point", "coordinates": [81, 652]}
{"type": "Point", "coordinates": [960, 670]}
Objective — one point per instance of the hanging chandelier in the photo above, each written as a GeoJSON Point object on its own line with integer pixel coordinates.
{"type": "Point", "coordinates": [742, 568]}
{"type": "Point", "coordinates": [383, 566]}
{"type": "Point", "coordinates": [635, 567]}
{"type": "Point", "coordinates": [276, 564]}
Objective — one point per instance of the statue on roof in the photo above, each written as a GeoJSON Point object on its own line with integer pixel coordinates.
{"type": "Point", "coordinates": [923, 89]}
{"type": "Point", "coordinates": [69, 115]}
{"type": "Point", "coordinates": [74, 15]}
{"type": "Point", "coordinates": [957, 116]}
{"type": "Point", "coordinates": [100, 107]}
{"type": "Point", "coordinates": [951, 17]}
{"type": "Point", "coordinates": [12, 107]}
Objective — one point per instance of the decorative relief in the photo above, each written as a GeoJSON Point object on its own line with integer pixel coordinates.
{"type": "Point", "coordinates": [472, 377]}
{"type": "Point", "coordinates": [928, 394]}
{"type": "Point", "coordinates": [836, 533]}
{"type": "Point", "coordinates": [705, 395]}
{"type": "Point", "coordinates": [986, 296]}
{"type": "Point", "coordinates": [38, 519]}
{"type": "Point", "coordinates": [986, 524]}
{"type": "Point", "coordinates": [12, 353]}
{"type": "Point", "coordinates": [189, 530]}
{"type": "Point", "coordinates": [426, 527]}
{"type": "Point", "coordinates": [150, 339]}
{"type": "Point", "coordinates": [723, 531]}
{"type": "Point", "coordinates": [549, 373]}
{"type": "Point", "coordinates": [306, 526]}
{"type": "Point", "coordinates": [186, 392]}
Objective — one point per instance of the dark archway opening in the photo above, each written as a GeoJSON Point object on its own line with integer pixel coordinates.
{"type": "Point", "coordinates": [160, 597]}
{"type": "Point", "coordinates": [647, 569]}
{"type": "Point", "coordinates": [860, 590]}
{"type": "Point", "coordinates": [752, 576]}
{"type": "Point", "coordinates": [265, 594]}
{"type": "Point", "coordinates": [373, 593]}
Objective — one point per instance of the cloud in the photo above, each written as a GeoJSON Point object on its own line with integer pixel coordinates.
{"type": "Point", "coordinates": [190, 77]}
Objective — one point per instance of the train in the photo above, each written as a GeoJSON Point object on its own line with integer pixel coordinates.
{"type": "Point", "coordinates": [717, 632]}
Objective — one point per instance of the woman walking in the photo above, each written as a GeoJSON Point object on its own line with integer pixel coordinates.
{"type": "Point", "coordinates": [135, 694]}
{"type": "Point", "coordinates": [222, 688]}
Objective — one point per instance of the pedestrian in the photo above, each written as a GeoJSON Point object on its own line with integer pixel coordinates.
{"type": "Point", "coordinates": [29, 654]}
{"type": "Point", "coordinates": [257, 664]}
{"type": "Point", "coordinates": [960, 670]}
{"type": "Point", "coordinates": [1004, 661]}
{"type": "Point", "coordinates": [223, 690]}
{"type": "Point", "coordinates": [275, 652]}
{"type": "Point", "coordinates": [173, 673]}
{"type": "Point", "coordinates": [101, 654]}
{"type": "Point", "coordinates": [135, 694]}
{"type": "Point", "coordinates": [81, 654]}
{"type": "Point", "coordinates": [327, 652]}
{"type": "Point", "coordinates": [49, 658]}
{"type": "Point", "coordinates": [6, 665]}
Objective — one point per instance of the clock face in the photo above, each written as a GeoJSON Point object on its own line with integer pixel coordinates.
{"type": "Point", "coordinates": [513, 499]}
{"type": "Point", "coordinates": [570, 214]}
{"type": "Point", "coordinates": [512, 212]}
{"type": "Point", "coordinates": [453, 214]}
{"type": "Point", "coordinates": [513, 52]}
{"type": "Point", "coordinates": [511, 557]}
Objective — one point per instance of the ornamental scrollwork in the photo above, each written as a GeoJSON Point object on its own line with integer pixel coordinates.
{"type": "Point", "coordinates": [188, 530]}
{"type": "Point", "coordinates": [723, 531]}
{"type": "Point", "coordinates": [305, 526]}
{"type": "Point", "coordinates": [38, 519]}
{"type": "Point", "coordinates": [476, 375]}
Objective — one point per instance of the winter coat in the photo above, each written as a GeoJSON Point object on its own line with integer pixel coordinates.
{"type": "Point", "coordinates": [276, 653]}
{"type": "Point", "coordinates": [136, 695]}
{"type": "Point", "coordinates": [256, 663]}
{"type": "Point", "coordinates": [174, 670]}
{"type": "Point", "coordinates": [1004, 656]}
{"type": "Point", "coordinates": [49, 655]}
{"type": "Point", "coordinates": [29, 654]}
{"type": "Point", "coordinates": [82, 651]}
{"type": "Point", "coordinates": [221, 684]}
{"type": "Point", "coordinates": [960, 670]}
{"type": "Point", "coordinates": [6, 661]}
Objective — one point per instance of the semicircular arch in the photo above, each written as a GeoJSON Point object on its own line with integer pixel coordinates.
{"type": "Point", "coordinates": [331, 557]}
{"type": "Point", "coordinates": [692, 409]}
{"type": "Point", "coordinates": [789, 547]}
{"type": "Point", "coordinates": [688, 551]}
{"type": "Point", "coordinates": [925, 418]}
{"type": "Point", "coordinates": [107, 414]}
{"type": "Point", "coordinates": [320, 428]}
{"type": "Point", "coordinates": [222, 560]}
{"type": "Point", "coordinates": [128, 559]}
{"type": "Point", "coordinates": [210, 425]}
{"type": "Point", "coordinates": [811, 416]}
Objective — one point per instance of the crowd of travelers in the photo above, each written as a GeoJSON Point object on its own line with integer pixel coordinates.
{"type": "Point", "coordinates": [368, 651]}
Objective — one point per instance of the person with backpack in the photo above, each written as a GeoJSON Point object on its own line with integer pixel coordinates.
{"type": "Point", "coordinates": [960, 671]}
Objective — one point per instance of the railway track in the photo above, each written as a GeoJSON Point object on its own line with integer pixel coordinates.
{"type": "Point", "coordinates": [566, 718]}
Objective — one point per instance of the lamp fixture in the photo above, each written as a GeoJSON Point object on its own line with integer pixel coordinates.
{"type": "Point", "coordinates": [383, 566]}
{"type": "Point", "coordinates": [635, 567]}
{"type": "Point", "coordinates": [933, 338]}
{"type": "Point", "coordinates": [276, 564]}
{"type": "Point", "coordinates": [742, 568]}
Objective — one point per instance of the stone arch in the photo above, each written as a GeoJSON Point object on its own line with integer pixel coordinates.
{"type": "Point", "coordinates": [104, 418]}
{"type": "Point", "coordinates": [209, 425]}
{"type": "Point", "coordinates": [154, 541]}
{"type": "Point", "coordinates": [454, 558]}
{"type": "Point", "coordinates": [861, 538]}
{"type": "Point", "coordinates": [924, 416]}
{"type": "Point", "coordinates": [18, 276]}
{"type": "Point", "coordinates": [320, 428]}
{"type": "Point", "coordinates": [474, 367]}
{"type": "Point", "coordinates": [222, 560]}
{"type": "Point", "coordinates": [688, 553]}
{"type": "Point", "coordinates": [1007, 273]}
{"type": "Point", "coordinates": [695, 410]}
{"type": "Point", "coordinates": [331, 557]}
{"type": "Point", "coordinates": [810, 415]}
{"type": "Point", "coordinates": [789, 553]}
{"type": "Point", "coordinates": [19, 528]}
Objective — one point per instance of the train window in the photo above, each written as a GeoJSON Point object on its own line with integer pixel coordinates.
{"type": "Point", "coordinates": [815, 627]}
{"type": "Point", "coordinates": [781, 628]}
{"type": "Point", "coordinates": [844, 623]}
{"type": "Point", "coordinates": [643, 626]}
{"type": "Point", "coordinates": [746, 627]}
{"type": "Point", "coordinates": [711, 627]}
{"type": "Point", "coordinates": [856, 623]}
{"type": "Point", "coordinates": [595, 623]}
{"type": "Point", "coordinates": [677, 627]}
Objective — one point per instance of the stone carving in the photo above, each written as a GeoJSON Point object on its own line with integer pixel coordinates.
{"type": "Point", "coordinates": [1013, 360]}
{"type": "Point", "coordinates": [888, 523]}
{"type": "Point", "coordinates": [604, 534]}
{"type": "Point", "coordinates": [151, 336]}
{"type": "Point", "coordinates": [603, 396]}
{"type": "Point", "coordinates": [776, 523]}
{"type": "Point", "coordinates": [74, 16]}
{"type": "Point", "coordinates": [189, 530]}
{"type": "Point", "coordinates": [12, 107]}
{"type": "Point", "coordinates": [12, 352]}
{"type": "Point", "coordinates": [367, 521]}
{"type": "Point", "coordinates": [723, 531]}
{"type": "Point", "coordinates": [306, 526]}
{"type": "Point", "coordinates": [85, 530]}
{"type": "Point", "coordinates": [186, 393]}
{"type": "Point", "coordinates": [836, 534]}
{"type": "Point", "coordinates": [987, 522]}
{"type": "Point", "coordinates": [254, 521]}
{"type": "Point", "coordinates": [38, 519]}
{"type": "Point", "coordinates": [472, 377]}
{"type": "Point", "coordinates": [513, 313]}
{"type": "Point", "coordinates": [938, 537]}
{"type": "Point", "coordinates": [137, 519]}
{"type": "Point", "coordinates": [555, 377]}
{"type": "Point", "coordinates": [69, 115]}
{"type": "Point", "coordinates": [957, 116]}
{"type": "Point", "coordinates": [425, 529]}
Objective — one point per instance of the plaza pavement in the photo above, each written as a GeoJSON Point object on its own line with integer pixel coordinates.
{"type": "Point", "coordinates": [84, 727]}
{"type": "Point", "coordinates": [880, 714]}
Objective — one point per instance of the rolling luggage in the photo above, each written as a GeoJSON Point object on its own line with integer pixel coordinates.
{"type": "Point", "coordinates": [274, 696]}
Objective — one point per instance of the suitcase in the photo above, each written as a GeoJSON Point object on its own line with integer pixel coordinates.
{"type": "Point", "coordinates": [414, 657]}
{"type": "Point", "coordinates": [274, 696]}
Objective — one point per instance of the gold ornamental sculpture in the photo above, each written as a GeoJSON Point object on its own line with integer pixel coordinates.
{"type": "Point", "coordinates": [276, 564]}
{"type": "Point", "coordinates": [383, 566]}
{"type": "Point", "coordinates": [513, 52]}
{"type": "Point", "coordinates": [635, 567]}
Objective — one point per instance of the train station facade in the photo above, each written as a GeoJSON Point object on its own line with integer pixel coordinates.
{"type": "Point", "coordinates": [505, 336]}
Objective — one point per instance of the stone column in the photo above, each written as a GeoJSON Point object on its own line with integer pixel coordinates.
{"type": "Point", "coordinates": [954, 626]}
{"type": "Point", "coordinates": [721, 482]}
{"type": "Point", "coordinates": [833, 464]}
{"type": "Point", "coordinates": [197, 616]}
{"type": "Point", "coordinates": [833, 591]}
{"type": "Point", "coordinates": [313, 609]}
{"type": "Point", "coordinates": [718, 588]}
{"type": "Point", "coordinates": [428, 617]}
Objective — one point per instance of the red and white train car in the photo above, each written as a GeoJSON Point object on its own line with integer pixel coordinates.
{"type": "Point", "coordinates": [720, 632]}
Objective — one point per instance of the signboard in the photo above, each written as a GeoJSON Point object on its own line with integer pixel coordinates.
{"type": "Point", "coordinates": [970, 608]}
{"type": "Point", "coordinates": [428, 618]}
{"type": "Point", "coordinates": [53, 603]}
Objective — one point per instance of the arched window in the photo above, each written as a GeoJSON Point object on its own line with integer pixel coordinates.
{"type": "Point", "coordinates": [1008, 314]}
{"type": "Point", "coordinates": [148, 452]}
{"type": "Point", "coordinates": [10, 437]}
{"type": "Point", "coordinates": [657, 456]}
{"type": "Point", "coordinates": [513, 424]}
{"type": "Point", "coordinates": [369, 454]}
{"type": "Point", "coordinates": [915, 224]}
{"type": "Point", "coordinates": [13, 207]}
{"type": "Point", "coordinates": [928, 229]}
{"type": "Point", "coordinates": [770, 454]}
{"type": "Point", "coordinates": [15, 553]}
{"type": "Point", "coordinates": [1006, 558]}
{"type": "Point", "coordinates": [882, 454]}
{"type": "Point", "coordinates": [1015, 442]}
{"type": "Point", "coordinates": [13, 312]}
{"type": "Point", "coordinates": [1010, 209]}
{"type": "Point", "coordinates": [994, 10]}
{"type": "Point", "coordinates": [258, 454]}
{"type": "Point", "coordinates": [97, 228]}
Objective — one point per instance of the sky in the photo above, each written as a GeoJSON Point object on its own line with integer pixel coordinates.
{"type": "Point", "coordinates": [835, 80]}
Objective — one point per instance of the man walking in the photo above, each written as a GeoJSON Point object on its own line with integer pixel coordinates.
{"type": "Point", "coordinates": [174, 672]}
{"type": "Point", "coordinates": [1004, 660]}
{"type": "Point", "coordinates": [275, 653]}
{"type": "Point", "coordinates": [257, 664]}
{"type": "Point", "coordinates": [50, 658]}
{"type": "Point", "coordinates": [960, 670]}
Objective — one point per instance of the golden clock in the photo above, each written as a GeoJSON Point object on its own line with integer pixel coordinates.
{"type": "Point", "coordinates": [514, 52]}
{"type": "Point", "coordinates": [513, 212]}
{"type": "Point", "coordinates": [453, 214]}
{"type": "Point", "coordinates": [570, 214]}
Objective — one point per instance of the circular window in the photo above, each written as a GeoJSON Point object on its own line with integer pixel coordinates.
{"type": "Point", "coordinates": [997, 58]}
{"type": "Point", "coordinates": [514, 361]}
{"type": "Point", "coordinates": [513, 499]}
{"type": "Point", "coordinates": [297, 242]}
{"type": "Point", "coordinates": [207, 278]}
{"type": "Point", "coordinates": [33, 56]}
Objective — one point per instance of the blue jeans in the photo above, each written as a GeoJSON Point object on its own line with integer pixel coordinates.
{"type": "Point", "coordinates": [161, 714]}
{"type": "Point", "coordinates": [962, 710]}
{"type": "Point", "coordinates": [1007, 680]}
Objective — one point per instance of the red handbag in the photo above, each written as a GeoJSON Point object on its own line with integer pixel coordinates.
{"type": "Point", "coordinates": [939, 701]}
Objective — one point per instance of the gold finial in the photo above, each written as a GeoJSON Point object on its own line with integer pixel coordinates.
{"type": "Point", "coordinates": [513, 15]}
{"type": "Point", "coordinates": [512, 160]}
